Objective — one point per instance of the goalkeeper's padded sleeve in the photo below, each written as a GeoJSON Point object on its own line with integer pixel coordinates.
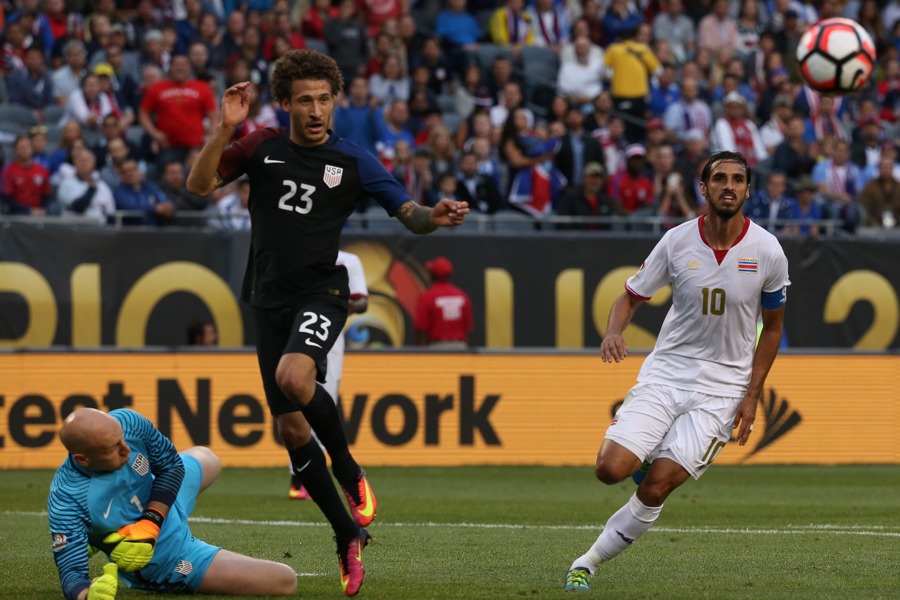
{"type": "Point", "coordinates": [134, 543]}
{"type": "Point", "coordinates": [105, 586]}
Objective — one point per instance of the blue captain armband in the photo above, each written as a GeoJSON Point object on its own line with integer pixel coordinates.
{"type": "Point", "coordinates": [776, 299]}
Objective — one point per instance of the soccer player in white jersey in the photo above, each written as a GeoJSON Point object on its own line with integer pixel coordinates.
{"type": "Point", "coordinates": [359, 303]}
{"type": "Point", "coordinates": [706, 373]}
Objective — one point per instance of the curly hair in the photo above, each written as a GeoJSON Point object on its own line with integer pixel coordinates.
{"type": "Point", "coordinates": [295, 65]}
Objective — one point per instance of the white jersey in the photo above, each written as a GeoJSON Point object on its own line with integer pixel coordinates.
{"type": "Point", "coordinates": [358, 289]}
{"type": "Point", "coordinates": [708, 338]}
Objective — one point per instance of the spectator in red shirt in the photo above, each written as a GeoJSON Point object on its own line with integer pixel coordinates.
{"type": "Point", "coordinates": [443, 311]}
{"type": "Point", "coordinates": [283, 28]}
{"type": "Point", "coordinates": [25, 184]}
{"type": "Point", "coordinates": [320, 12]}
{"type": "Point", "coordinates": [173, 112]}
{"type": "Point", "coordinates": [631, 187]}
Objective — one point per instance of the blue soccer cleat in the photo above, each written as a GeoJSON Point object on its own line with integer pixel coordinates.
{"type": "Point", "coordinates": [578, 578]}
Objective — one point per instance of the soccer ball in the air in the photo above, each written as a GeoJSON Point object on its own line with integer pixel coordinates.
{"type": "Point", "coordinates": [836, 56]}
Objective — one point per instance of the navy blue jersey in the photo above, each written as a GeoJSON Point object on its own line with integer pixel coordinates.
{"type": "Point", "coordinates": [300, 198]}
{"type": "Point", "coordinates": [84, 507]}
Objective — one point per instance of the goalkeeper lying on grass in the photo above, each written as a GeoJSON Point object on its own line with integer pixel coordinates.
{"type": "Point", "coordinates": [125, 490]}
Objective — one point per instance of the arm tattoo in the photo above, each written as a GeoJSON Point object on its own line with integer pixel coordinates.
{"type": "Point", "coordinates": [416, 218]}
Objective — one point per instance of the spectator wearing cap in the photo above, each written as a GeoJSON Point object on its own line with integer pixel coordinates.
{"type": "Point", "coordinates": [676, 27]}
{"type": "Point", "coordinates": [631, 188]}
{"type": "Point", "coordinates": [881, 196]}
{"type": "Point", "coordinates": [773, 131]}
{"type": "Point", "coordinates": [589, 199]}
{"type": "Point", "coordinates": [32, 86]}
{"type": "Point", "coordinates": [664, 91]}
{"type": "Point", "coordinates": [67, 79]}
{"type": "Point", "coordinates": [866, 151]}
{"type": "Point", "coordinates": [656, 134]}
{"type": "Point", "coordinates": [689, 112]}
{"type": "Point", "coordinates": [735, 132]}
{"type": "Point", "coordinates": [173, 112]}
{"type": "Point", "coordinates": [443, 311]}
{"type": "Point", "coordinates": [580, 79]}
{"type": "Point", "coordinates": [577, 148]}
{"type": "Point", "coordinates": [154, 50]}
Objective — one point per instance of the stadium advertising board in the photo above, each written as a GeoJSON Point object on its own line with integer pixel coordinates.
{"type": "Point", "coordinates": [88, 288]}
{"type": "Point", "coordinates": [428, 409]}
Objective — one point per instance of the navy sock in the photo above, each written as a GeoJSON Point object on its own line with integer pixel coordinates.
{"type": "Point", "coordinates": [309, 465]}
{"type": "Point", "coordinates": [323, 417]}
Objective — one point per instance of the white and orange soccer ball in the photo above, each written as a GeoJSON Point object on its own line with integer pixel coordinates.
{"type": "Point", "coordinates": [836, 56]}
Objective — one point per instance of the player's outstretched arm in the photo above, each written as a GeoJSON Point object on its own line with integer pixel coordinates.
{"type": "Point", "coordinates": [613, 347]}
{"type": "Point", "coordinates": [766, 351]}
{"type": "Point", "coordinates": [204, 176]}
{"type": "Point", "coordinates": [420, 219]}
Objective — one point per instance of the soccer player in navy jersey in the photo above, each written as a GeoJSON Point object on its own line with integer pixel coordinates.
{"type": "Point", "coordinates": [124, 489]}
{"type": "Point", "coordinates": [304, 184]}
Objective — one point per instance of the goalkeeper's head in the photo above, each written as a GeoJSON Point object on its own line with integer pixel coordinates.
{"type": "Point", "coordinates": [95, 440]}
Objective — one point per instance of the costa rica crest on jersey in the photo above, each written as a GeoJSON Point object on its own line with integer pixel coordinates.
{"type": "Point", "coordinates": [748, 265]}
{"type": "Point", "coordinates": [333, 176]}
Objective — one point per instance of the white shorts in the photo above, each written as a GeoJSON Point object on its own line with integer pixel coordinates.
{"type": "Point", "coordinates": [658, 421]}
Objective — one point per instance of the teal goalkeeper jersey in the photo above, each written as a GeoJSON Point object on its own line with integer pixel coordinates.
{"type": "Point", "coordinates": [84, 507]}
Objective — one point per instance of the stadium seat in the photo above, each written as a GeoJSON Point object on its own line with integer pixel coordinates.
{"type": "Point", "coordinates": [447, 103]}
{"type": "Point", "coordinates": [53, 113]}
{"type": "Point", "coordinates": [378, 221]}
{"type": "Point", "coordinates": [514, 221]}
{"type": "Point", "coordinates": [17, 114]}
{"type": "Point", "coordinates": [542, 63]}
{"type": "Point", "coordinates": [488, 52]}
{"type": "Point", "coordinates": [452, 120]}
{"type": "Point", "coordinates": [318, 45]}
{"type": "Point", "coordinates": [12, 128]}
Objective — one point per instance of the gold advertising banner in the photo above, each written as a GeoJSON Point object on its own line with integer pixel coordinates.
{"type": "Point", "coordinates": [426, 409]}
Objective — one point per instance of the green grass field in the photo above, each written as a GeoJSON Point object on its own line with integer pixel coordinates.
{"type": "Point", "coordinates": [494, 532]}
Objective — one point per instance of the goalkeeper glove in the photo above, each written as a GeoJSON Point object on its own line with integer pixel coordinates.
{"type": "Point", "coordinates": [105, 586]}
{"type": "Point", "coordinates": [134, 543]}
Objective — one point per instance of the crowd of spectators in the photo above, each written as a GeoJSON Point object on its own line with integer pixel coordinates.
{"type": "Point", "coordinates": [572, 108]}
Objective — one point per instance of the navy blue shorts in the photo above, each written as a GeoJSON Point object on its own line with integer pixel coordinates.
{"type": "Point", "coordinates": [310, 328]}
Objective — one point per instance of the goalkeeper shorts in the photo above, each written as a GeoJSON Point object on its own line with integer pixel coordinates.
{"type": "Point", "coordinates": [179, 560]}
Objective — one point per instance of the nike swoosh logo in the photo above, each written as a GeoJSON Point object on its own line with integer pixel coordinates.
{"type": "Point", "coordinates": [309, 342]}
{"type": "Point", "coordinates": [300, 469]}
{"type": "Point", "coordinates": [108, 507]}
{"type": "Point", "coordinates": [367, 503]}
{"type": "Point", "coordinates": [628, 540]}
{"type": "Point", "coordinates": [270, 161]}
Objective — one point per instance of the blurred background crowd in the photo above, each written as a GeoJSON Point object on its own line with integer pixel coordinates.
{"type": "Point", "coordinates": [587, 114]}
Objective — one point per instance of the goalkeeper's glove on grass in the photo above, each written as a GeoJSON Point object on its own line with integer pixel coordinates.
{"type": "Point", "coordinates": [105, 586]}
{"type": "Point", "coordinates": [134, 543]}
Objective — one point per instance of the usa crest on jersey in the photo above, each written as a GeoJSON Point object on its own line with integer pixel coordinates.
{"type": "Point", "coordinates": [333, 176]}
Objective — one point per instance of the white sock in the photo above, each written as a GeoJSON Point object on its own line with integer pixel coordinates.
{"type": "Point", "coordinates": [621, 530]}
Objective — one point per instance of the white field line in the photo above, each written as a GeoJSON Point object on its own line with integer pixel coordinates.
{"type": "Point", "coordinates": [812, 528]}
